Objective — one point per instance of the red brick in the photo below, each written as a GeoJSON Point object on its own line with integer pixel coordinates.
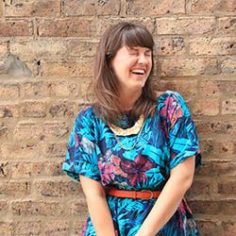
{"type": "Point", "coordinates": [32, 8]}
{"type": "Point", "coordinates": [37, 208]}
{"type": "Point", "coordinates": [49, 49]}
{"type": "Point", "coordinates": [228, 64]}
{"type": "Point", "coordinates": [205, 107]}
{"type": "Point", "coordinates": [212, 6]}
{"type": "Point", "coordinates": [179, 66]}
{"type": "Point", "coordinates": [207, 207]}
{"type": "Point", "coordinates": [226, 147]}
{"type": "Point", "coordinates": [58, 188]}
{"type": "Point", "coordinates": [213, 46]}
{"type": "Point", "coordinates": [35, 89]}
{"type": "Point", "coordinates": [6, 229]}
{"type": "Point", "coordinates": [217, 88]}
{"type": "Point", "coordinates": [56, 227]}
{"type": "Point", "coordinates": [227, 187]}
{"type": "Point", "coordinates": [153, 8]}
{"type": "Point", "coordinates": [208, 147]}
{"type": "Point", "coordinates": [11, 28]}
{"type": "Point", "coordinates": [229, 228]}
{"type": "Point", "coordinates": [226, 26]}
{"type": "Point", "coordinates": [185, 25]}
{"type": "Point", "coordinates": [27, 227]}
{"type": "Point", "coordinates": [67, 27]}
{"type": "Point", "coordinates": [91, 8]}
{"type": "Point", "coordinates": [170, 46]}
{"type": "Point", "coordinates": [8, 110]}
{"type": "Point", "coordinates": [53, 168]}
{"type": "Point", "coordinates": [15, 189]}
{"type": "Point", "coordinates": [33, 109]}
{"type": "Point", "coordinates": [9, 91]}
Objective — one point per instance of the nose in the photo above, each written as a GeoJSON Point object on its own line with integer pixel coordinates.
{"type": "Point", "coordinates": [142, 59]}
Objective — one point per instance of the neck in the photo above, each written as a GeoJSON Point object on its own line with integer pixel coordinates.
{"type": "Point", "coordinates": [128, 99]}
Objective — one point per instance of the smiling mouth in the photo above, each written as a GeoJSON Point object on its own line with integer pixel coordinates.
{"type": "Point", "coordinates": [138, 72]}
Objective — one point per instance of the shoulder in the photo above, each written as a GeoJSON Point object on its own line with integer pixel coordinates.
{"type": "Point", "coordinates": [172, 102]}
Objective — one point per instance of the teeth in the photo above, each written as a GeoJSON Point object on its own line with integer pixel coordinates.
{"type": "Point", "coordinates": [138, 71]}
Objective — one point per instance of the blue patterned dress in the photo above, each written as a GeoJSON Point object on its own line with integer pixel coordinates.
{"type": "Point", "coordinates": [168, 138]}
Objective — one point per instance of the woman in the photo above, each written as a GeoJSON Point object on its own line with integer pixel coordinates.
{"type": "Point", "coordinates": [134, 153]}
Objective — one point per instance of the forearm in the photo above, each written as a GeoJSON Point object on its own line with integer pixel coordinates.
{"type": "Point", "coordinates": [100, 216]}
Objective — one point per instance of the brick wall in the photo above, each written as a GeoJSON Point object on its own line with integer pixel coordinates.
{"type": "Point", "coordinates": [46, 59]}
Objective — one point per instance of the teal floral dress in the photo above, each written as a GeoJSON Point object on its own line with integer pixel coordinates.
{"type": "Point", "coordinates": [167, 139]}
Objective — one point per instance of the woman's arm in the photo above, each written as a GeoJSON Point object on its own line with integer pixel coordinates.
{"type": "Point", "coordinates": [180, 180]}
{"type": "Point", "coordinates": [98, 207]}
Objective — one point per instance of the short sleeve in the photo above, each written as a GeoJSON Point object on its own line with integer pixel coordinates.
{"type": "Point", "coordinates": [183, 138]}
{"type": "Point", "coordinates": [82, 151]}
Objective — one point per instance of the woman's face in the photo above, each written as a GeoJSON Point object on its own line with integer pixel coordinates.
{"type": "Point", "coordinates": [132, 66]}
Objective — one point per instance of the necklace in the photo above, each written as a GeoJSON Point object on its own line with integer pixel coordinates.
{"type": "Point", "coordinates": [135, 129]}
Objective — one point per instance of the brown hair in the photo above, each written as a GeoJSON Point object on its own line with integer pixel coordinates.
{"type": "Point", "coordinates": [105, 84]}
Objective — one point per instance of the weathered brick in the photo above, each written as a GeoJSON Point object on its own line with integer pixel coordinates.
{"type": "Point", "coordinates": [229, 107]}
{"type": "Point", "coordinates": [57, 188]}
{"type": "Point", "coordinates": [1, 10]}
{"type": "Point", "coordinates": [201, 187]}
{"type": "Point", "coordinates": [213, 46]}
{"type": "Point", "coordinates": [209, 227]}
{"type": "Point", "coordinates": [153, 8]}
{"type": "Point", "coordinates": [228, 64]}
{"type": "Point", "coordinates": [67, 27]}
{"type": "Point", "coordinates": [217, 88]}
{"type": "Point", "coordinates": [80, 48]}
{"type": "Point", "coordinates": [60, 89]}
{"type": "Point", "coordinates": [229, 228]}
{"type": "Point", "coordinates": [56, 227]}
{"type": "Point", "coordinates": [9, 91]}
{"type": "Point", "coordinates": [5, 170]}
{"type": "Point", "coordinates": [62, 109]}
{"type": "Point", "coordinates": [227, 187]}
{"type": "Point", "coordinates": [15, 189]}
{"type": "Point", "coordinates": [208, 147]}
{"type": "Point", "coordinates": [11, 28]}
{"type": "Point", "coordinates": [212, 6]}
{"type": "Point", "coordinates": [180, 66]}
{"type": "Point", "coordinates": [184, 86]}
{"type": "Point", "coordinates": [82, 68]}
{"type": "Point", "coordinates": [32, 8]}
{"type": "Point", "coordinates": [78, 207]}
{"type": "Point", "coordinates": [4, 130]}
{"type": "Point", "coordinates": [206, 107]}
{"type": "Point", "coordinates": [9, 110]}
{"type": "Point", "coordinates": [3, 49]}
{"type": "Point", "coordinates": [226, 26]}
{"type": "Point", "coordinates": [3, 207]}
{"type": "Point", "coordinates": [27, 227]}
{"type": "Point", "coordinates": [77, 226]}
{"type": "Point", "coordinates": [53, 150]}
{"type": "Point", "coordinates": [106, 23]}
{"type": "Point", "coordinates": [205, 206]}
{"type": "Point", "coordinates": [48, 49]}
{"type": "Point", "coordinates": [21, 150]}
{"type": "Point", "coordinates": [26, 169]}
{"type": "Point", "coordinates": [6, 229]}
{"type": "Point", "coordinates": [91, 8]}
{"type": "Point", "coordinates": [216, 168]}
{"type": "Point", "coordinates": [226, 146]}
{"type": "Point", "coordinates": [35, 89]}
{"type": "Point", "coordinates": [53, 168]}
{"type": "Point", "coordinates": [37, 208]}
{"type": "Point", "coordinates": [34, 109]}
{"type": "Point", "coordinates": [26, 130]}
{"type": "Point", "coordinates": [185, 25]}
{"type": "Point", "coordinates": [170, 46]}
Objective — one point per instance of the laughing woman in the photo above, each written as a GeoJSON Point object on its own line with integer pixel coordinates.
{"type": "Point", "coordinates": [133, 152]}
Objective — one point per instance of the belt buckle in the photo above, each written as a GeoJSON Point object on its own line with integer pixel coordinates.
{"type": "Point", "coordinates": [149, 191]}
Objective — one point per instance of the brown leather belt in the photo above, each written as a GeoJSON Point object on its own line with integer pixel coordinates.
{"type": "Point", "coordinates": [142, 194]}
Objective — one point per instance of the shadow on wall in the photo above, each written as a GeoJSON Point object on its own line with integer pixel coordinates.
{"type": "Point", "coordinates": [13, 66]}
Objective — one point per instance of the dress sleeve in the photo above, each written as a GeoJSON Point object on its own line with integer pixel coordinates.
{"type": "Point", "coordinates": [183, 138]}
{"type": "Point", "coordinates": [82, 151]}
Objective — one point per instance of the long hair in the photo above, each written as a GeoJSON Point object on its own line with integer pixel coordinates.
{"type": "Point", "coordinates": [105, 84]}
